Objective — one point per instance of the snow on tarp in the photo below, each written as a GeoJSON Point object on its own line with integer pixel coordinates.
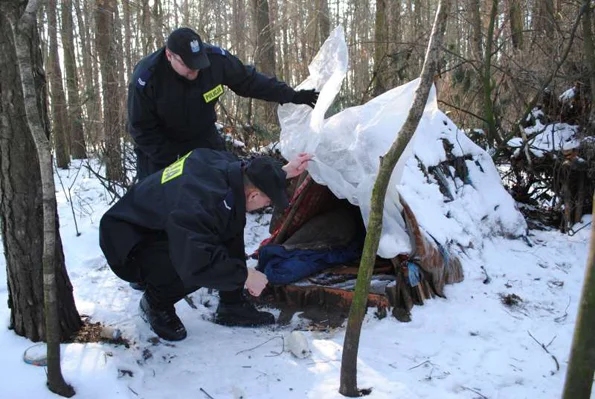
{"type": "Point", "coordinates": [347, 148]}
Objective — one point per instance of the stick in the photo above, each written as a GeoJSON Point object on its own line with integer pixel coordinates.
{"type": "Point", "coordinates": [545, 349]}
{"type": "Point", "coordinates": [259, 345]}
{"type": "Point", "coordinates": [475, 391]}
{"type": "Point", "coordinates": [421, 364]}
{"type": "Point", "coordinates": [565, 315]}
{"type": "Point", "coordinates": [206, 393]}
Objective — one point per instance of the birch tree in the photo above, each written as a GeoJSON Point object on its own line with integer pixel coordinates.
{"type": "Point", "coordinates": [26, 190]}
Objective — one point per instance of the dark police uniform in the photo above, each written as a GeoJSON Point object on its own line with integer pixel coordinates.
{"type": "Point", "coordinates": [169, 115]}
{"type": "Point", "coordinates": [181, 229]}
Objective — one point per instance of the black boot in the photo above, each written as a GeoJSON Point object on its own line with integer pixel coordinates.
{"type": "Point", "coordinates": [164, 322]}
{"type": "Point", "coordinates": [242, 314]}
{"type": "Point", "coordinates": [139, 286]}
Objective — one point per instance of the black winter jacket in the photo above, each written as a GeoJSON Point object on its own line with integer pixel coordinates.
{"type": "Point", "coordinates": [169, 115]}
{"type": "Point", "coordinates": [198, 202]}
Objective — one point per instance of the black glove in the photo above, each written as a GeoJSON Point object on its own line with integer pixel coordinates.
{"type": "Point", "coordinates": [308, 97]}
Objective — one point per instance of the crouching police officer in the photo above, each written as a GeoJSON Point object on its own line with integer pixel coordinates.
{"type": "Point", "coordinates": [173, 92]}
{"type": "Point", "coordinates": [183, 228]}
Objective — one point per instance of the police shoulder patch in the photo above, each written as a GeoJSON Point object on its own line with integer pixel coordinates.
{"type": "Point", "coordinates": [174, 170]}
{"type": "Point", "coordinates": [228, 201]}
{"type": "Point", "coordinates": [143, 77]}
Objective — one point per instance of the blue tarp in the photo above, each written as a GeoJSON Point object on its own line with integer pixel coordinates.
{"type": "Point", "coordinates": [283, 267]}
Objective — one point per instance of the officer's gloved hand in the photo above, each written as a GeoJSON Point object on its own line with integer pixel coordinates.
{"type": "Point", "coordinates": [308, 97]}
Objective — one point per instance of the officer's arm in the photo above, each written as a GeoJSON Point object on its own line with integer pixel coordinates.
{"type": "Point", "coordinates": [197, 253]}
{"type": "Point", "coordinates": [245, 81]}
{"type": "Point", "coordinates": [144, 127]}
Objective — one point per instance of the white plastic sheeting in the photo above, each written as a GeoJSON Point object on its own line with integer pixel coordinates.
{"type": "Point", "coordinates": [347, 148]}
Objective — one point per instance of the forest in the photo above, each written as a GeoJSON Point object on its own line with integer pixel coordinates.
{"type": "Point", "coordinates": [517, 77]}
{"type": "Point", "coordinates": [503, 64]}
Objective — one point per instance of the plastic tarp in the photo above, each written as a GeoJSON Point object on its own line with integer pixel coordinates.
{"type": "Point", "coordinates": [348, 145]}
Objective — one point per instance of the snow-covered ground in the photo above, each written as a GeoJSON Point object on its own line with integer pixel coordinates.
{"type": "Point", "coordinates": [470, 345]}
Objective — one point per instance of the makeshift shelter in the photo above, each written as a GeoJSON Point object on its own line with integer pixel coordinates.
{"type": "Point", "coordinates": [445, 195]}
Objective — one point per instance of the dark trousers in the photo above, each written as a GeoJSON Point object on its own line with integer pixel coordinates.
{"type": "Point", "coordinates": [150, 263]}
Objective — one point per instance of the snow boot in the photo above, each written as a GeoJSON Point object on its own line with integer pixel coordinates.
{"type": "Point", "coordinates": [242, 314]}
{"type": "Point", "coordinates": [164, 322]}
{"type": "Point", "coordinates": [139, 286]}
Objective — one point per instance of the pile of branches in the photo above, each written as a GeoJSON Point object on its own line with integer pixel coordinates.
{"type": "Point", "coordinates": [557, 186]}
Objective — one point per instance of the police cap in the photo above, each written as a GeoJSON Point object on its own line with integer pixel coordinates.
{"type": "Point", "coordinates": [267, 175]}
{"type": "Point", "coordinates": [187, 44]}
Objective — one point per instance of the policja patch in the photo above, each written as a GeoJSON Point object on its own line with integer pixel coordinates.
{"type": "Point", "coordinates": [213, 94]}
{"type": "Point", "coordinates": [174, 170]}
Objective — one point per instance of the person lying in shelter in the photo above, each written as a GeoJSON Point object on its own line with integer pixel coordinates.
{"type": "Point", "coordinates": [182, 228]}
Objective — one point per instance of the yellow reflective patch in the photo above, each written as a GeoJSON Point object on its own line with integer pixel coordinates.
{"type": "Point", "coordinates": [174, 170]}
{"type": "Point", "coordinates": [213, 94]}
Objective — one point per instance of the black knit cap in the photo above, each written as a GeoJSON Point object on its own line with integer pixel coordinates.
{"type": "Point", "coordinates": [267, 175]}
{"type": "Point", "coordinates": [187, 44]}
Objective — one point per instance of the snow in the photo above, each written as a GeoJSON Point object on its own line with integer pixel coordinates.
{"type": "Point", "coordinates": [551, 137]}
{"type": "Point", "coordinates": [458, 347]}
{"type": "Point", "coordinates": [568, 95]}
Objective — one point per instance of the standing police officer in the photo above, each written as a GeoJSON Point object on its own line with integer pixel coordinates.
{"type": "Point", "coordinates": [173, 93]}
{"type": "Point", "coordinates": [183, 228]}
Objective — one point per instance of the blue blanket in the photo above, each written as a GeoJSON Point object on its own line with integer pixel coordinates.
{"type": "Point", "coordinates": [283, 267]}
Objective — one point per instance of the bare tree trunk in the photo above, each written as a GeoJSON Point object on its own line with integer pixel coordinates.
{"type": "Point", "coordinates": [128, 37]}
{"type": "Point", "coordinates": [579, 376]}
{"type": "Point", "coordinates": [146, 26]}
{"type": "Point", "coordinates": [78, 145]}
{"type": "Point", "coordinates": [398, 54]}
{"type": "Point", "coordinates": [26, 190]}
{"type": "Point", "coordinates": [348, 385]}
{"type": "Point", "coordinates": [516, 23]}
{"type": "Point", "coordinates": [158, 24]}
{"type": "Point", "coordinates": [59, 114]}
{"type": "Point", "coordinates": [91, 98]}
{"type": "Point", "coordinates": [324, 22]}
{"type": "Point", "coordinates": [119, 61]}
{"type": "Point", "coordinates": [265, 55]}
{"type": "Point", "coordinates": [381, 49]}
{"type": "Point", "coordinates": [104, 19]}
{"type": "Point", "coordinates": [589, 51]}
{"type": "Point", "coordinates": [487, 81]}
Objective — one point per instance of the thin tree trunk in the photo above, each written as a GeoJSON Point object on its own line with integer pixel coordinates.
{"type": "Point", "coordinates": [104, 19]}
{"type": "Point", "coordinates": [146, 26]}
{"type": "Point", "coordinates": [589, 50]}
{"type": "Point", "coordinates": [324, 22]}
{"type": "Point", "coordinates": [579, 376]}
{"type": "Point", "coordinates": [487, 85]}
{"type": "Point", "coordinates": [265, 55]}
{"type": "Point", "coordinates": [91, 97]}
{"type": "Point", "coordinates": [59, 114]}
{"type": "Point", "coordinates": [348, 386]}
{"type": "Point", "coordinates": [128, 36]}
{"type": "Point", "coordinates": [516, 23]}
{"type": "Point", "coordinates": [78, 145]}
{"type": "Point", "coordinates": [398, 55]}
{"type": "Point", "coordinates": [381, 49]}
{"type": "Point", "coordinates": [25, 92]}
